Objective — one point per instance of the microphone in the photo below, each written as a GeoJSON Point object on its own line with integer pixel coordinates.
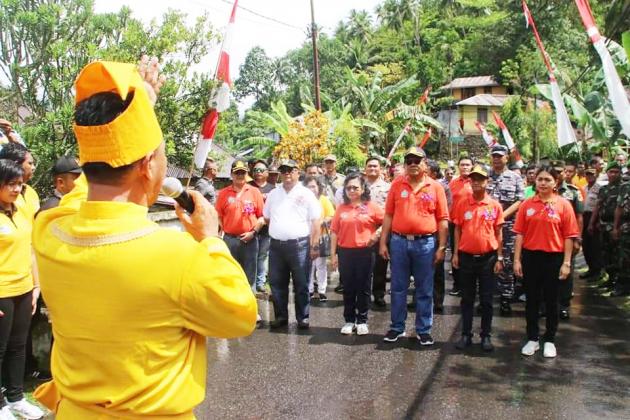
{"type": "Point", "coordinates": [171, 187]}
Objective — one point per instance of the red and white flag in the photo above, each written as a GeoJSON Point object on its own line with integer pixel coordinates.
{"type": "Point", "coordinates": [509, 142]}
{"type": "Point", "coordinates": [566, 135]}
{"type": "Point", "coordinates": [426, 137]}
{"type": "Point", "coordinates": [487, 137]}
{"type": "Point", "coordinates": [616, 91]}
{"type": "Point", "coordinates": [219, 97]}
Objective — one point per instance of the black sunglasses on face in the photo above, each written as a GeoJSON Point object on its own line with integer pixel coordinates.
{"type": "Point", "coordinates": [413, 161]}
{"type": "Point", "coordinates": [285, 170]}
{"type": "Point", "coordinates": [259, 170]}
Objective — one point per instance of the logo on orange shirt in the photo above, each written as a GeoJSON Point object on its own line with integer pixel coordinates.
{"type": "Point", "coordinates": [404, 194]}
{"type": "Point", "coordinates": [468, 215]}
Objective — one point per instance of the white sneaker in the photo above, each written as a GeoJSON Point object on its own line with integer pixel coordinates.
{"type": "Point", "coordinates": [6, 414]}
{"type": "Point", "coordinates": [26, 410]}
{"type": "Point", "coordinates": [549, 350]}
{"type": "Point", "coordinates": [362, 329]}
{"type": "Point", "coordinates": [530, 348]}
{"type": "Point", "coordinates": [347, 328]}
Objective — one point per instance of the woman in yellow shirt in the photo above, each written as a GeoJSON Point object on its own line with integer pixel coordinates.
{"type": "Point", "coordinates": [17, 293]}
{"type": "Point", "coordinates": [319, 270]}
{"type": "Point", "coordinates": [28, 200]}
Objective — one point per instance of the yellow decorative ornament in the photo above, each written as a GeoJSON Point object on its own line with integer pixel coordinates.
{"type": "Point", "coordinates": [117, 143]}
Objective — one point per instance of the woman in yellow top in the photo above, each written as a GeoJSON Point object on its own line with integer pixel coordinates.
{"type": "Point", "coordinates": [28, 200]}
{"type": "Point", "coordinates": [319, 271]}
{"type": "Point", "coordinates": [17, 293]}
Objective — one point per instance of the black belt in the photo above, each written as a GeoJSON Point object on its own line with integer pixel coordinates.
{"type": "Point", "coordinates": [486, 255]}
{"type": "Point", "coordinates": [291, 241]}
{"type": "Point", "coordinates": [414, 237]}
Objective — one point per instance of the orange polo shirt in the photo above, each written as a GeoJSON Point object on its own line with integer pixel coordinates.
{"type": "Point", "coordinates": [460, 188]}
{"type": "Point", "coordinates": [416, 213]}
{"type": "Point", "coordinates": [478, 221]}
{"type": "Point", "coordinates": [545, 226]}
{"type": "Point", "coordinates": [355, 225]}
{"type": "Point", "coordinates": [239, 211]}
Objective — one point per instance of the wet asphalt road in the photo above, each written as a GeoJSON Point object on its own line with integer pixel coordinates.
{"type": "Point", "coordinates": [320, 374]}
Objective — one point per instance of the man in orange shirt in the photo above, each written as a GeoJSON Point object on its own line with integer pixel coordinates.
{"type": "Point", "coordinates": [240, 208]}
{"type": "Point", "coordinates": [415, 210]}
{"type": "Point", "coordinates": [460, 188]}
{"type": "Point", "coordinates": [478, 255]}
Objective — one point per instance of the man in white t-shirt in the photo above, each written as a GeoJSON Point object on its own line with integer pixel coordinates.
{"type": "Point", "coordinates": [293, 214]}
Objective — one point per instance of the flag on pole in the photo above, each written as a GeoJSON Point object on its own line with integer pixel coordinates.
{"type": "Point", "coordinates": [509, 142]}
{"type": "Point", "coordinates": [219, 97]}
{"type": "Point", "coordinates": [426, 137]}
{"type": "Point", "coordinates": [616, 91]}
{"type": "Point", "coordinates": [487, 137]}
{"type": "Point", "coordinates": [565, 132]}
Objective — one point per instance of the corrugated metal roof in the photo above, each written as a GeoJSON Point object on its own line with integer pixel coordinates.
{"type": "Point", "coordinates": [485, 99]}
{"type": "Point", "coordinates": [468, 82]}
{"type": "Point", "coordinates": [177, 172]}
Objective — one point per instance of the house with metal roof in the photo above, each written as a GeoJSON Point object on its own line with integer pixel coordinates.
{"type": "Point", "coordinates": [474, 100]}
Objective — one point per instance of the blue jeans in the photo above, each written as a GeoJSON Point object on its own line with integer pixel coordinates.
{"type": "Point", "coordinates": [264, 240]}
{"type": "Point", "coordinates": [412, 257]}
{"type": "Point", "coordinates": [290, 260]}
{"type": "Point", "coordinates": [245, 253]}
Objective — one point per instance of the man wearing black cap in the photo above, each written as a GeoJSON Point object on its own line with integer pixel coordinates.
{"type": "Point", "coordinates": [293, 214]}
{"type": "Point", "coordinates": [415, 210]}
{"type": "Point", "coordinates": [507, 188]}
{"type": "Point", "coordinates": [65, 172]}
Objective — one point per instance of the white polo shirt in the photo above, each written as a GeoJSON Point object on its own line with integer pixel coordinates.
{"type": "Point", "coordinates": [291, 213]}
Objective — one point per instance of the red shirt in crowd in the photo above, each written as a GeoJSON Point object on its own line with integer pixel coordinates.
{"type": "Point", "coordinates": [239, 211]}
{"type": "Point", "coordinates": [416, 213]}
{"type": "Point", "coordinates": [545, 225]}
{"type": "Point", "coordinates": [355, 225]}
{"type": "Point", "coordinates": [460, 188]}
{"type": "Point", "coordinates": [478, 221]}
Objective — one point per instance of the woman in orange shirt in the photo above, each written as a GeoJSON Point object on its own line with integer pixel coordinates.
{"type": "Point", "coordinates": [545, 227]}
{"type": "Point", "coordinates": [355, 229]}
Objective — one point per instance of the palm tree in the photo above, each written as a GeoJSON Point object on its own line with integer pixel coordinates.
{"type": "Point", "coordinates": [360, 25]}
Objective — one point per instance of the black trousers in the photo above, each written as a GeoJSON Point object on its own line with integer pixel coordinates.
{"type": "Point", "coordinates": [451, 238]}
{"type": "Point", "coordinates": [438, 285]}
{"type": "Point", "coordinates": [379, 274]}
{"type": "Point", "coordinates": [591, 246]}
{"type": "Point", "coordinates": [540, 279]}
{"type": "Point", "coordinates": [473, 271]}
{"type": "Point", "coordinates": [14, 327]}
{"type": "Point", "coordinates": [355, 271]}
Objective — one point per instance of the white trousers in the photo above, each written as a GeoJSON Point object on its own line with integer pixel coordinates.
{"type": "Point", "coordinates": [319, 273]}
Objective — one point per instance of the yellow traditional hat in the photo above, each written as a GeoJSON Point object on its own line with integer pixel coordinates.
{"type": "Point", "coordinates": [130, 136]}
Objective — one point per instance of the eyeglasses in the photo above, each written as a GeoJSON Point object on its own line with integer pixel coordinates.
{"type": "Point", "coordinates": [259, 170]}
{"type": "Point", "coordinates": [352, 188]}
{"type": "Point", "coordinates": [285, 170]}
{"type": "Point", "coordinates": [413, 161]}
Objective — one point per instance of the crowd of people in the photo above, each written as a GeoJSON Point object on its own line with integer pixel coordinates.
{"type": "Point", "coordinates": [511, 232]}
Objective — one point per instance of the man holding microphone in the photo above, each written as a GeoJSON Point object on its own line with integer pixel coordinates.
{"type": "Point", "coordinates": [131, 303]}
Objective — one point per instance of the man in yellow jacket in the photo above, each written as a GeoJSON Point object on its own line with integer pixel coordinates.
{"type": "Point", "coordinates": [131, 303]}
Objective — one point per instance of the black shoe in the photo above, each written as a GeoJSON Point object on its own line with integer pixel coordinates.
{"type": "Point", "coordinates": [323, 297]}
{"type": "Point", "coordinates": [393, 336]}
{"type": "Point", "coordinates": [279, 323]}
{"type": "Point", "coordinates": [464, 342]}
{"type": "Point", "coordinates": [411, 306]}
{"type": "Point", "coordinates": [486, 344]}
{"type": "Point", "coordinates": [564, 314]}
{"type": "Point", "coordinates": [41, 375]}
{"type": "Point", "coordinates": [339, 289]}
{"type": "Point", "coordinates": [455, 292]}
{"type": "Point", "coordinates": [379, 302]}
{"type": "Point", "coordinates": [303, 324]}
{"type": "Point", "coordinates": [505, 308]}
{"type": "Point", "coordinates": [425, 339]}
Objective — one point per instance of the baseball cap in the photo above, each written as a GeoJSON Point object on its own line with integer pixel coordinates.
{"type": "Point", "coordinates": [415, 151]}
{"type": "Point", "coordinates": [66, 164]}
{"type": "Point", "coordinates": [558, 164]}
{"type": "Point", "coordinates": [613, 165]}
{"type": "Point", "coordinates": [239, 165]}
{"type": "Point", "coordinates": [287, 162]}
{"type": "Point", "coordinates": [499, 149]}
{"type": "Point", "coordinates": [330, 157]}
{"type": "Point", "coordinates": [479, 170]}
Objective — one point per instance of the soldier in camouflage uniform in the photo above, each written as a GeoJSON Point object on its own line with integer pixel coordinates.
{"type": "Point", "coordinates": [621, 232]}
{"type": "Point", "coordinates": [573, 195]}
{"type": "Point", "coordinates": [603, 219]}
{"type": "Point", "coordinates": [508, 189]}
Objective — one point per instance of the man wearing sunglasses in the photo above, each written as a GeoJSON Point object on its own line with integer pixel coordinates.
{"type": "Point", "coordinates": [260, 173]}
{"type": "Point", "coordinates": [293, 214]}
{"type": "Point", "coordinates": [415, 210]}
